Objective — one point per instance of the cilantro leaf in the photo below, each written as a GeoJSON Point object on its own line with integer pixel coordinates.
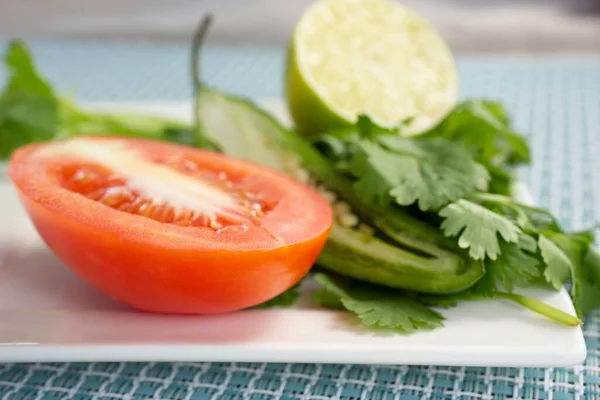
{"type": "Point", "coordinates": [511, 261]}
{"type": "Point", "coordinates": [452, 300]}
{"type": "Point", "coordinates": [379, 307]}
{"type": "Point", "coordinates": [285, 299]}
{"type": "Point", "coordinates": [398, 313]}
{"type": "Point", "coordinates": [528, 243]}
{"type": "Point", "coordinates": [366, 128]}
{"type": "Point", "coordinates": [28, 107]}
{"type": "Point", "coordinates": [565, 256]}
{"type": "Point", "coordinates": [586, 285]}
{"type": "Point", "coordinates": [513, 267]}
{"type": "Point", "coordinates": [500, 179]}
{"type": "Point", "coordinates": [558, 266]}
{"type": "Point", "coordinates": [585, 282]}
{"type": "Point", "coordinates": [24, 76]}
{"type": "Point", "coordinates": [477, 228]}
{"type": "Point", "coordinates": [485, 287]}
{"type": "Point", "coordinates": [430, 173]}
{"type": "Point", "coordinates": [328, 299]}
{"type": "Point", "coordinates": [527, 217]}
{"type": "Point", "coordinates": [484, 127]}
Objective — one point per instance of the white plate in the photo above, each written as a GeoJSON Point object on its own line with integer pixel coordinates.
{"type": "Point", "coordinates": [48, 314]}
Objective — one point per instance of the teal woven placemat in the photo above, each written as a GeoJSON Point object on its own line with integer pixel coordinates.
{"type": "Point", "coordinates": [556, 102]}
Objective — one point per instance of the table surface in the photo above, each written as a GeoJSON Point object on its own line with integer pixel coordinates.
{"type": "Point", "coordinates": [556, 102]}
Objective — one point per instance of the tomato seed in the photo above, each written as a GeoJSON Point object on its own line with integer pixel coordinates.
{"type": "Point", "coordinates": [215, 225]}
{"type": "Point", "coordinates": [146, 209]}
{"type": "Point", "coordinates": [116, 195]}
{"type": "Point", "coordinates": [189, 166]}
{"type": "Point", "coordinates": [96, 194]}
{"type": "Point", "coordinates": [126, 207]}
{"type": "Point", "coordinates": [83, 177]}
{"type": "Point", "coordinates": [164, 214]}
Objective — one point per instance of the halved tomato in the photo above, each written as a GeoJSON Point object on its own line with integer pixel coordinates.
{"type": "Point", "coordinates": [169, 228]}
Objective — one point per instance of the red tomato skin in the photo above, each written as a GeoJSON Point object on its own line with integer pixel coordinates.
{"type": "Point", "coordinates": [164, 280]}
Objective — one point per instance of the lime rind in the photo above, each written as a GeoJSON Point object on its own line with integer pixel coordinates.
{"type": "Point", "coordinates": [310, 114]}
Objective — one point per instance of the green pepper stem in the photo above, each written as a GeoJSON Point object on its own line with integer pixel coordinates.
{"type": "Point", "coordinates": [541, 308]}
{"type": "Point", "coordinates": [197, 42]}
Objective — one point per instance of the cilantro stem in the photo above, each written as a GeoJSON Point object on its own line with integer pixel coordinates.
{"type": "Point", "coordinates": [542, 308]}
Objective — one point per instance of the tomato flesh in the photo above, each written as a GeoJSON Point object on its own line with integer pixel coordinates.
{"type": "Point", "coordinates": [168, 228]}
{"type": "Point", "coordinates": [100, 184]}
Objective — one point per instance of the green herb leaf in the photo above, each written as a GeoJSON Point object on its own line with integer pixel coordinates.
{"type": "Point", "coordinates": [501, 179]}
{"type": "Point", "coordinates": [558, 266]}
{"type": "Point", "coordinates": [527, 217]}
{"type": "Point", "coordinates": [367, 129]}
{"type": "Point", "coordinates": [477, 228]}
{"type": "Point", "coordinates": [28, 107]}
{"type": "Point", "coordinates": [381, 308]}
{"type": "Point", "coordinates": [586, 285]}
{"type": "Point", "coordinates": [328, 299]}
{"type": "Point", "coordinates": [513, 267]}
{"type": "Point", "coordinates": [565, 256]}
{"type": "Point", "coordinates": [585, 281]}
{"type": "Point", "coordinates": [23, 75]}
{"type": "Point", "coordinates": [452, 300]}
{"type": "Point", "coordinates": [431, 173]}
{"type": "Point", "coordinates": [484, 127]}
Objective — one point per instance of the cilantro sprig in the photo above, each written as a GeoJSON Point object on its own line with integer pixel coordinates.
{"type": "Point", "coordinates": [391, 168]}
{"type": "Point", "coordinates": [31, 110]}
{"type": "Point", "coordinates": [519, 245]}
{"type": "Point", "coordinates": [407, 312]}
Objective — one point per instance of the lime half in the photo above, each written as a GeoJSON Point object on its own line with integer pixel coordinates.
{"type": "Point", "coordinates": [372, 57]}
